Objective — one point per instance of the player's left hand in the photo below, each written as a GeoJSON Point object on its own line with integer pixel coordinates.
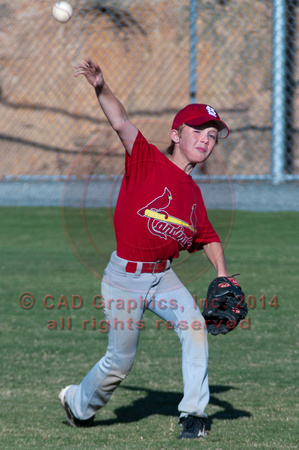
{"type": "Point", "coordinates": [225, 305]}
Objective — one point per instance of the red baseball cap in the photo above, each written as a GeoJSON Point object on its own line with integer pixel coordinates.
{"type": "Point", "coordinates": [197, 114]}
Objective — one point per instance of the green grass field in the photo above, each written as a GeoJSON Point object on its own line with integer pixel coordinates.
{"type": "Point", "coordinates": [252, 371]}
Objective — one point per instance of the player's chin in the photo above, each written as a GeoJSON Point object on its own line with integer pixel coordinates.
{"type": "Point", "coordinates": [202, 158]}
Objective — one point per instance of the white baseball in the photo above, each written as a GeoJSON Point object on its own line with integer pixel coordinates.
{"type": "Point", "coordinates": [62, 11]}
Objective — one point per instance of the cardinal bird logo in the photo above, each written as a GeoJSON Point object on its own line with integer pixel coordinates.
{"type": "Point", "coordinates": [158, 204]}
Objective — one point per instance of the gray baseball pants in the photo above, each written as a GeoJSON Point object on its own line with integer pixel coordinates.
{"type": "Point", "coordinates": [126, 296]}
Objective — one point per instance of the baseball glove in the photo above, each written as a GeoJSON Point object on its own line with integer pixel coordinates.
{"type": "Point", "coordinates": [225, 305]}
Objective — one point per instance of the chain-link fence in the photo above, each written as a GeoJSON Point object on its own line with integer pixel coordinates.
{"type": "Point", "coordinates": [156, 58]}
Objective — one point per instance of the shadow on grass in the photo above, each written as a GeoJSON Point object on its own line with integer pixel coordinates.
{"type": "Point", "coordinates": [166, 404]}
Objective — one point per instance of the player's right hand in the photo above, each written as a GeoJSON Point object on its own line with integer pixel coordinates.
{"type": "Point", "coordinates": [92, 72]}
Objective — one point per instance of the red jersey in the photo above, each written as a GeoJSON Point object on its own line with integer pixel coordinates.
{"type": "Point", "coordinates": [160, 209]}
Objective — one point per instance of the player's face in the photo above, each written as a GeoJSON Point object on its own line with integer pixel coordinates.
{"type": "Point", "coordinates": [197, 143]}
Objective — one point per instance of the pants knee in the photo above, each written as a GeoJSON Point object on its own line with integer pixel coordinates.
{"type": "Point", "coordinates": [119, 365]}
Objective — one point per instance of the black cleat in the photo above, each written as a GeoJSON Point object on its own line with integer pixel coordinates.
{"type": "Point", "coordinates": [193, 427]}
{"type": "Point", "coordinates": [71, 419]}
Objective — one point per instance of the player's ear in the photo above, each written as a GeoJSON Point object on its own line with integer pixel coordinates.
{"type": "Point", "coordinates": [175, 136]}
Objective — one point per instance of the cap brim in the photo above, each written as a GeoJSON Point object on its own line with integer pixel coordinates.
{"type": "Point", "coordinates": [223, 130]}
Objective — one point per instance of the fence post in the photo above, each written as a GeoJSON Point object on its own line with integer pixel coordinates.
{"type": "Point", "coordinates": [278, 90]}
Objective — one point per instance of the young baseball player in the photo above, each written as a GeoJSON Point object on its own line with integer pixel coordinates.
{"type": "Point", "coordinates": [159, 212]}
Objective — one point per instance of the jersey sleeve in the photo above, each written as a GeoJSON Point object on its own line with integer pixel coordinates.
{"type": "Point", "coordinates": [207, 235]}
{"type": "Point", "coordinates": [141, 161]}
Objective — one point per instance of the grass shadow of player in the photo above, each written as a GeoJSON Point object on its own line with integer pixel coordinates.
{"type": "Point", "coordinates": [166, 403]}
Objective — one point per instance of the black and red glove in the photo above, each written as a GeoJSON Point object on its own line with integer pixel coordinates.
{"type": "Point", "coordinates": [225, 305]}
